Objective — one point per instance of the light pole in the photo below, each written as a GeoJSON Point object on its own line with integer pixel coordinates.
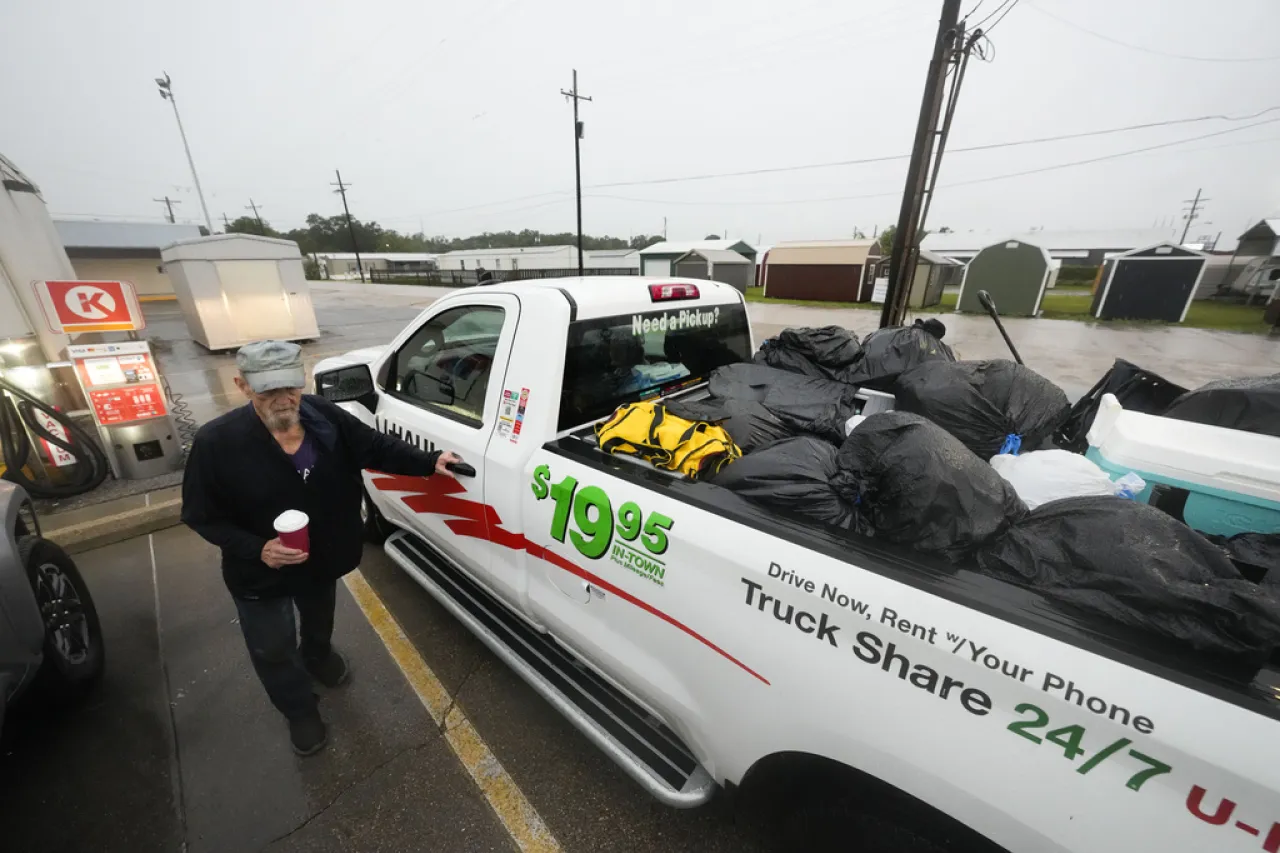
{"type": "Point", "coordinates": [166, 92]}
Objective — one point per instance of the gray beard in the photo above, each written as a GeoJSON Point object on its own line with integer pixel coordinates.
{"type": "Point", "coordinates": [281, 421]}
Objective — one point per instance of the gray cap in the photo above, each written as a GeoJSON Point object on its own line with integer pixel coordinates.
{"type": "Point", "coordinates": [268, 365]}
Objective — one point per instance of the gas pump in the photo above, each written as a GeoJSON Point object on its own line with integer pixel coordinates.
{"type": "Point", "coordinates": [43, 387]}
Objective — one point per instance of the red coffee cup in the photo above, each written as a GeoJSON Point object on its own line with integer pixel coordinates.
{"type": "Point", "coordinates": [291, 527]}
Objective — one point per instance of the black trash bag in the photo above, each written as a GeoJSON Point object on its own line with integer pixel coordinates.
{"type": "Point", "coordinates": [805, 404]}
{"type": "Point", "coordinates": [918, 485]}
{"type": "Point", "coordinates": [792, 476]}
{"type": "Point", "coordinates": [749, 424]}
{"type": "Point", "coordinates": [1251, 404]}
{"type": "Point", "coordinates": [824, 352]}
{"type": "Point", "coordinates": [887, 353]}
{"type": "Point", "coordinates": [1257, 555]}
{"type": "Point", "coordinates": [1134, 564]}
{"type": "Point", "coordinates": [1137, 390]}
{"type": "Point", "coordinates": [988, 405]}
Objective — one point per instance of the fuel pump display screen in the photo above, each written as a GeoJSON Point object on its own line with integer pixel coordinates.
{"type": "Point", "coordinates": [125, 405]}
{"type": "Point", "coordinates": [120, 382]}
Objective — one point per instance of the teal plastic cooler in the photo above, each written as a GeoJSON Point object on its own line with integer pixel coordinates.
{"type": "Point", "coordinates": [1232, 477]}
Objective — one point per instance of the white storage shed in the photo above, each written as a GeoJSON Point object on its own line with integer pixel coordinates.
{"type": "Point", "coordinates": [237, 288]}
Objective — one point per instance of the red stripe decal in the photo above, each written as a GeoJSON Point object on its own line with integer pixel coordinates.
{"type": "Point", "coordinates": [434, 496]}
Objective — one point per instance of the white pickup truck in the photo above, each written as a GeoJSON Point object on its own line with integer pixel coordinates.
{"type": "Point", "coordinates": [694, 638]}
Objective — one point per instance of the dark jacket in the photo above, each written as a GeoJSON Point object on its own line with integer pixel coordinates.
{"type": "Point", "coordinates": [239, 479]}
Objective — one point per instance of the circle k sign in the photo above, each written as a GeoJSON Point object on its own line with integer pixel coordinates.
{"type": "Point", "coordinates": [90, 306]}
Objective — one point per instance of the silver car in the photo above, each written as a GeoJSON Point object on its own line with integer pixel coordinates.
{"type": "Point", "coordinates": [50, 636]}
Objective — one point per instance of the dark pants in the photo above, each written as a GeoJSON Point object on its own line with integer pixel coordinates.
{"type": "Point", "coordinates": [279, 648]}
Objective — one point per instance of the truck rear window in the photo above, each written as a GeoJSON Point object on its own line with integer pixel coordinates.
{"type": "Point", "coordinates": [631, 357]}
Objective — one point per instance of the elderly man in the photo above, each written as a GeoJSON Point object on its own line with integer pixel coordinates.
{"type": "Point", "coordinates": [288, 451]}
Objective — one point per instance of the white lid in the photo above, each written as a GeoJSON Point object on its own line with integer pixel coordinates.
{"type": "Point", "coordinates": [291, 520]}
{"type": "Point", "coordinates": [1232, 460]}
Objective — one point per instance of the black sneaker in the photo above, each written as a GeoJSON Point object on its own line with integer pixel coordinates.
{"type": "Point", "coordinates": [332, 671]}
{"type": "Point", "coordinates": [308, 734]}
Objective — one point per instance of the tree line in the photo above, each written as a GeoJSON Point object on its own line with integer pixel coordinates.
{"type": "Point", "coordinates": [331, 234]}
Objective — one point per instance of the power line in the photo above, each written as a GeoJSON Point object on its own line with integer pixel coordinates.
{"type": "Point", "coordinates": [890, 157]}
{"type": "Point", "coordinates": [1001, 18]}
{"type": "Point", "coordinates": [1152, 51]}
{"type": "Point", "coordinates": [1113, 156]}
{"type": "Point", "coordinates": [480, 206]}
{"type": "Point", "coordinates": [996, 11]}
{"type": "Point", "coordinates": [984, 180]}
{"type": "Point", "coordinates": [190, 221]}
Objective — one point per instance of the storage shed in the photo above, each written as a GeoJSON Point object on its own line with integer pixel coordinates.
{"type": "Point", "coordinates": [715, 265]}
{"type": "Point", "coordinates": [933, 273]}
{"type": "Point", "coordinates": [824, 271]}
{"type": "Point", "coordinates": [656, 260]}
{"type": "Point", "coordinates": [1014, 272]}
{"type": "Point", "coordinates": [237, 288]}
{"type": "Point", "coordinates": [1155, 283]}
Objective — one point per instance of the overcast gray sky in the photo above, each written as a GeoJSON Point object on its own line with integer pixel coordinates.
{"type": "Point", "coordinates": [429, 107]}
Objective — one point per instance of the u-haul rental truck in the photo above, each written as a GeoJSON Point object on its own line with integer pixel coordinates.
{"type": "Point", "coordinates": [692, 636]}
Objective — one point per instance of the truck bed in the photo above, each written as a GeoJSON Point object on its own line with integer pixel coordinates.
{"type": "Point", "coordinates": [1256, 688]}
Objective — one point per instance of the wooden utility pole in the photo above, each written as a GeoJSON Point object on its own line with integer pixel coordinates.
{"type": "Point", "coordinates": [1191, 214]}
{"type": "Point", "coordinates": [577, 156]}
{"type": "Point", "coordinates": [351, 229]}
{"type": "Point", "coordinates": [262, 229]}
{"type": "Point", "coordinates": [904, 236]}
{"type": "Point", "coordinates": [168, 203]}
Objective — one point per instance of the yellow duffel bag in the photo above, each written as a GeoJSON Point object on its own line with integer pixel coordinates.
{"type": "Point", "coordinates": [649, 431]}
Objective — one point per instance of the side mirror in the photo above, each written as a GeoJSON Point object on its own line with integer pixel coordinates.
{"type": "Point", "coordinates": [346, 384]}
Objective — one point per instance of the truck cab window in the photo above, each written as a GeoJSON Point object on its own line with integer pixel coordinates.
{"type": "Point", "coordinates": [614, 360]}
{"type": "Point", "coordinates": [445, 366]}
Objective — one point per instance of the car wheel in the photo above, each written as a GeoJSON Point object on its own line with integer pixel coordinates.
{"type": "Point", "coordinates": [376, 528]}
{"type": "Point", "coordinates": [74, 653]}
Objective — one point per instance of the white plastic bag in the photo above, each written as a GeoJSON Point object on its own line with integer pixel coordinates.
{"type": "Point", "coordinates": [1041, 476]}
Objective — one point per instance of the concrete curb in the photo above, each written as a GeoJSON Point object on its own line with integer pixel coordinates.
{"type": "Point", "coordinates": [110, 529]}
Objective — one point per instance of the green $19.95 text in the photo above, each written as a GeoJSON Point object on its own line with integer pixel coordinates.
{"type": "Point", "coordinates": [594, 520]}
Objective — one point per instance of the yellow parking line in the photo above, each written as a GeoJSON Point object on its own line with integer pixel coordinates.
{"type": "Point", "coordinates": [517, 814]}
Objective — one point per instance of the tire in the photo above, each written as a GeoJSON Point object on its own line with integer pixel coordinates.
{"type": "Point", "coordinates": [376, 527]}
{"type": "Point", "coordinates": [74, 652]}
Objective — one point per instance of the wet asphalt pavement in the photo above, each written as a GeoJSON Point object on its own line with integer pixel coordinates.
{"type": "Point", "coordinates": [179, 749]}
{"type": "Point", "coordinates": [1072, 354]}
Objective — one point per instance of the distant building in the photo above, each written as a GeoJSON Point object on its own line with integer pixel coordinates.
{"type": "Point", "coordinates": [1015, 273]}
{"type": "Point", "coordinates": [719, 265]}
{"type": "Point", "coordinates": [611, 259]}
{"type": "Point", "coordinates": [518, 258]}
{"type": "Point", "coordinates": [1073, 248]}
{"type": "Point", "coordinates": [822, 270]}
{"type": "Point", "coordinates": [122, 251]}
{"type": "Point", "coordinates": [657, 259]}
{"type": "Point", "coordinates": [1252, 270]}
{"type": "Point", "coordinates": [343, 264]}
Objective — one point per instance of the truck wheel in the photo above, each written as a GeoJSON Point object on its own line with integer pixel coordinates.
{"type": "Point", "coordinates": [74, 653]}
{"type": "Point", "coordinates": [376, 528]}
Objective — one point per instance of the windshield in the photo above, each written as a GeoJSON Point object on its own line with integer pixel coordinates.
{"type": "Point", "coordinates": [629, 357]}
